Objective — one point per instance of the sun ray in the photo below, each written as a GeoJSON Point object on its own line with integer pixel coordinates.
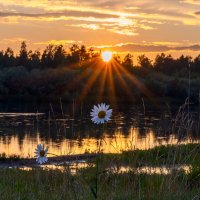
{"type": "Point", "coordinates": [102, 83]}
{"type": "Point", "coordinates": [111, 85]}
{"type": "Point", "coordinates": [107, 77]}
{"type": "Point", "coordinates": [82, 73]}
{"type": "Point", "coordinates": [122, 81]}
{"type": "Point", "coordinates": [135, 81]}
{"type": "Point", "coordinates": [90, 82]}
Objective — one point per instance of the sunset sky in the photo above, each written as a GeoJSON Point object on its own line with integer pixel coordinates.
{"type": "Point", "coordinates": [124, 26]}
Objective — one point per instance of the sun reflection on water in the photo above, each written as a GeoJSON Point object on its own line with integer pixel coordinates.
{"type": "Point", "coordinates": [109, 144]}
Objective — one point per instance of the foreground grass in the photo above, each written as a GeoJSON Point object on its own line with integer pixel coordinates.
{"type": "Point", "coordinates": [97, 182]}
{"type": "Point", "coordinates": [56, 185]}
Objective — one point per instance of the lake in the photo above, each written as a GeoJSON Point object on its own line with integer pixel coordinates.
{"type": "Point", "coordinates": [67, 128]}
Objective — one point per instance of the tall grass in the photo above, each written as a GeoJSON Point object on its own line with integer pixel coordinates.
{"type": "Point", "coordinates": [54, 184]}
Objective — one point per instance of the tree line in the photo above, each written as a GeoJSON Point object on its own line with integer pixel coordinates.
{"type": "Point", "coordinates": [55, 56]}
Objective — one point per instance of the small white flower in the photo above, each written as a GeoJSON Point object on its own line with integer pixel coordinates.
{"type": "Point", "coordinates": [101, 113]}
{"type": "Point", "coordinates": [41, 153]}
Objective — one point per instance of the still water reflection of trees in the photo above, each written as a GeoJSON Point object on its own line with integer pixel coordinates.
{"type": "Point", "coordinates": [129, 129]}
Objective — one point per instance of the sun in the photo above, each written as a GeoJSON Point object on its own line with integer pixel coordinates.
{"type": "Point", "coordinates": [107, 56]}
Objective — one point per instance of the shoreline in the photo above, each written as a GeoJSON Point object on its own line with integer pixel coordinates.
{"type": "Point", "coordinates": [160, 154]}
{"type": "Point", "coordinates": [30, 162]}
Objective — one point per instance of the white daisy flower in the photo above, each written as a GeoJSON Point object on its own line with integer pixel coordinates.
{"type": "Point", "coordinates": [101, 113]}
{"type": "Point", "coordinates": [41, 153]}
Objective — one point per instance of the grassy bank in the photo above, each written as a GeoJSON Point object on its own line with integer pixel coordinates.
{"type": "Point", "coordinates": [161, 155]}
{"type": "Point", "coordinates": [98, 182]}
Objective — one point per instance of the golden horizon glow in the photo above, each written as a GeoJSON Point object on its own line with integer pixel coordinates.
{"type": "Point", "coordinates": [107, 56]}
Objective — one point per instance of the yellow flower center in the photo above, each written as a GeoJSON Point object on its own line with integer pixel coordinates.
{"type": "Point", "coordinates": [42, 153]}
{"type": "Point", "coordinates": [101, 114]}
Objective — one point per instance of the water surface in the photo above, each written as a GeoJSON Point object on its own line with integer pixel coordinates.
{"type": "Point", "coordinates": [70, 131]}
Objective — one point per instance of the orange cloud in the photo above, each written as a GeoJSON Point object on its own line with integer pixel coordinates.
{"type": "Point", "coordinates": [57, 42]}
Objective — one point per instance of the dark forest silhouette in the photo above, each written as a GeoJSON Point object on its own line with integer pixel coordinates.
{"type": "Point", "coordinates": [57, 72]}
{"type": "Point", "coordinates": [56, 56]}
